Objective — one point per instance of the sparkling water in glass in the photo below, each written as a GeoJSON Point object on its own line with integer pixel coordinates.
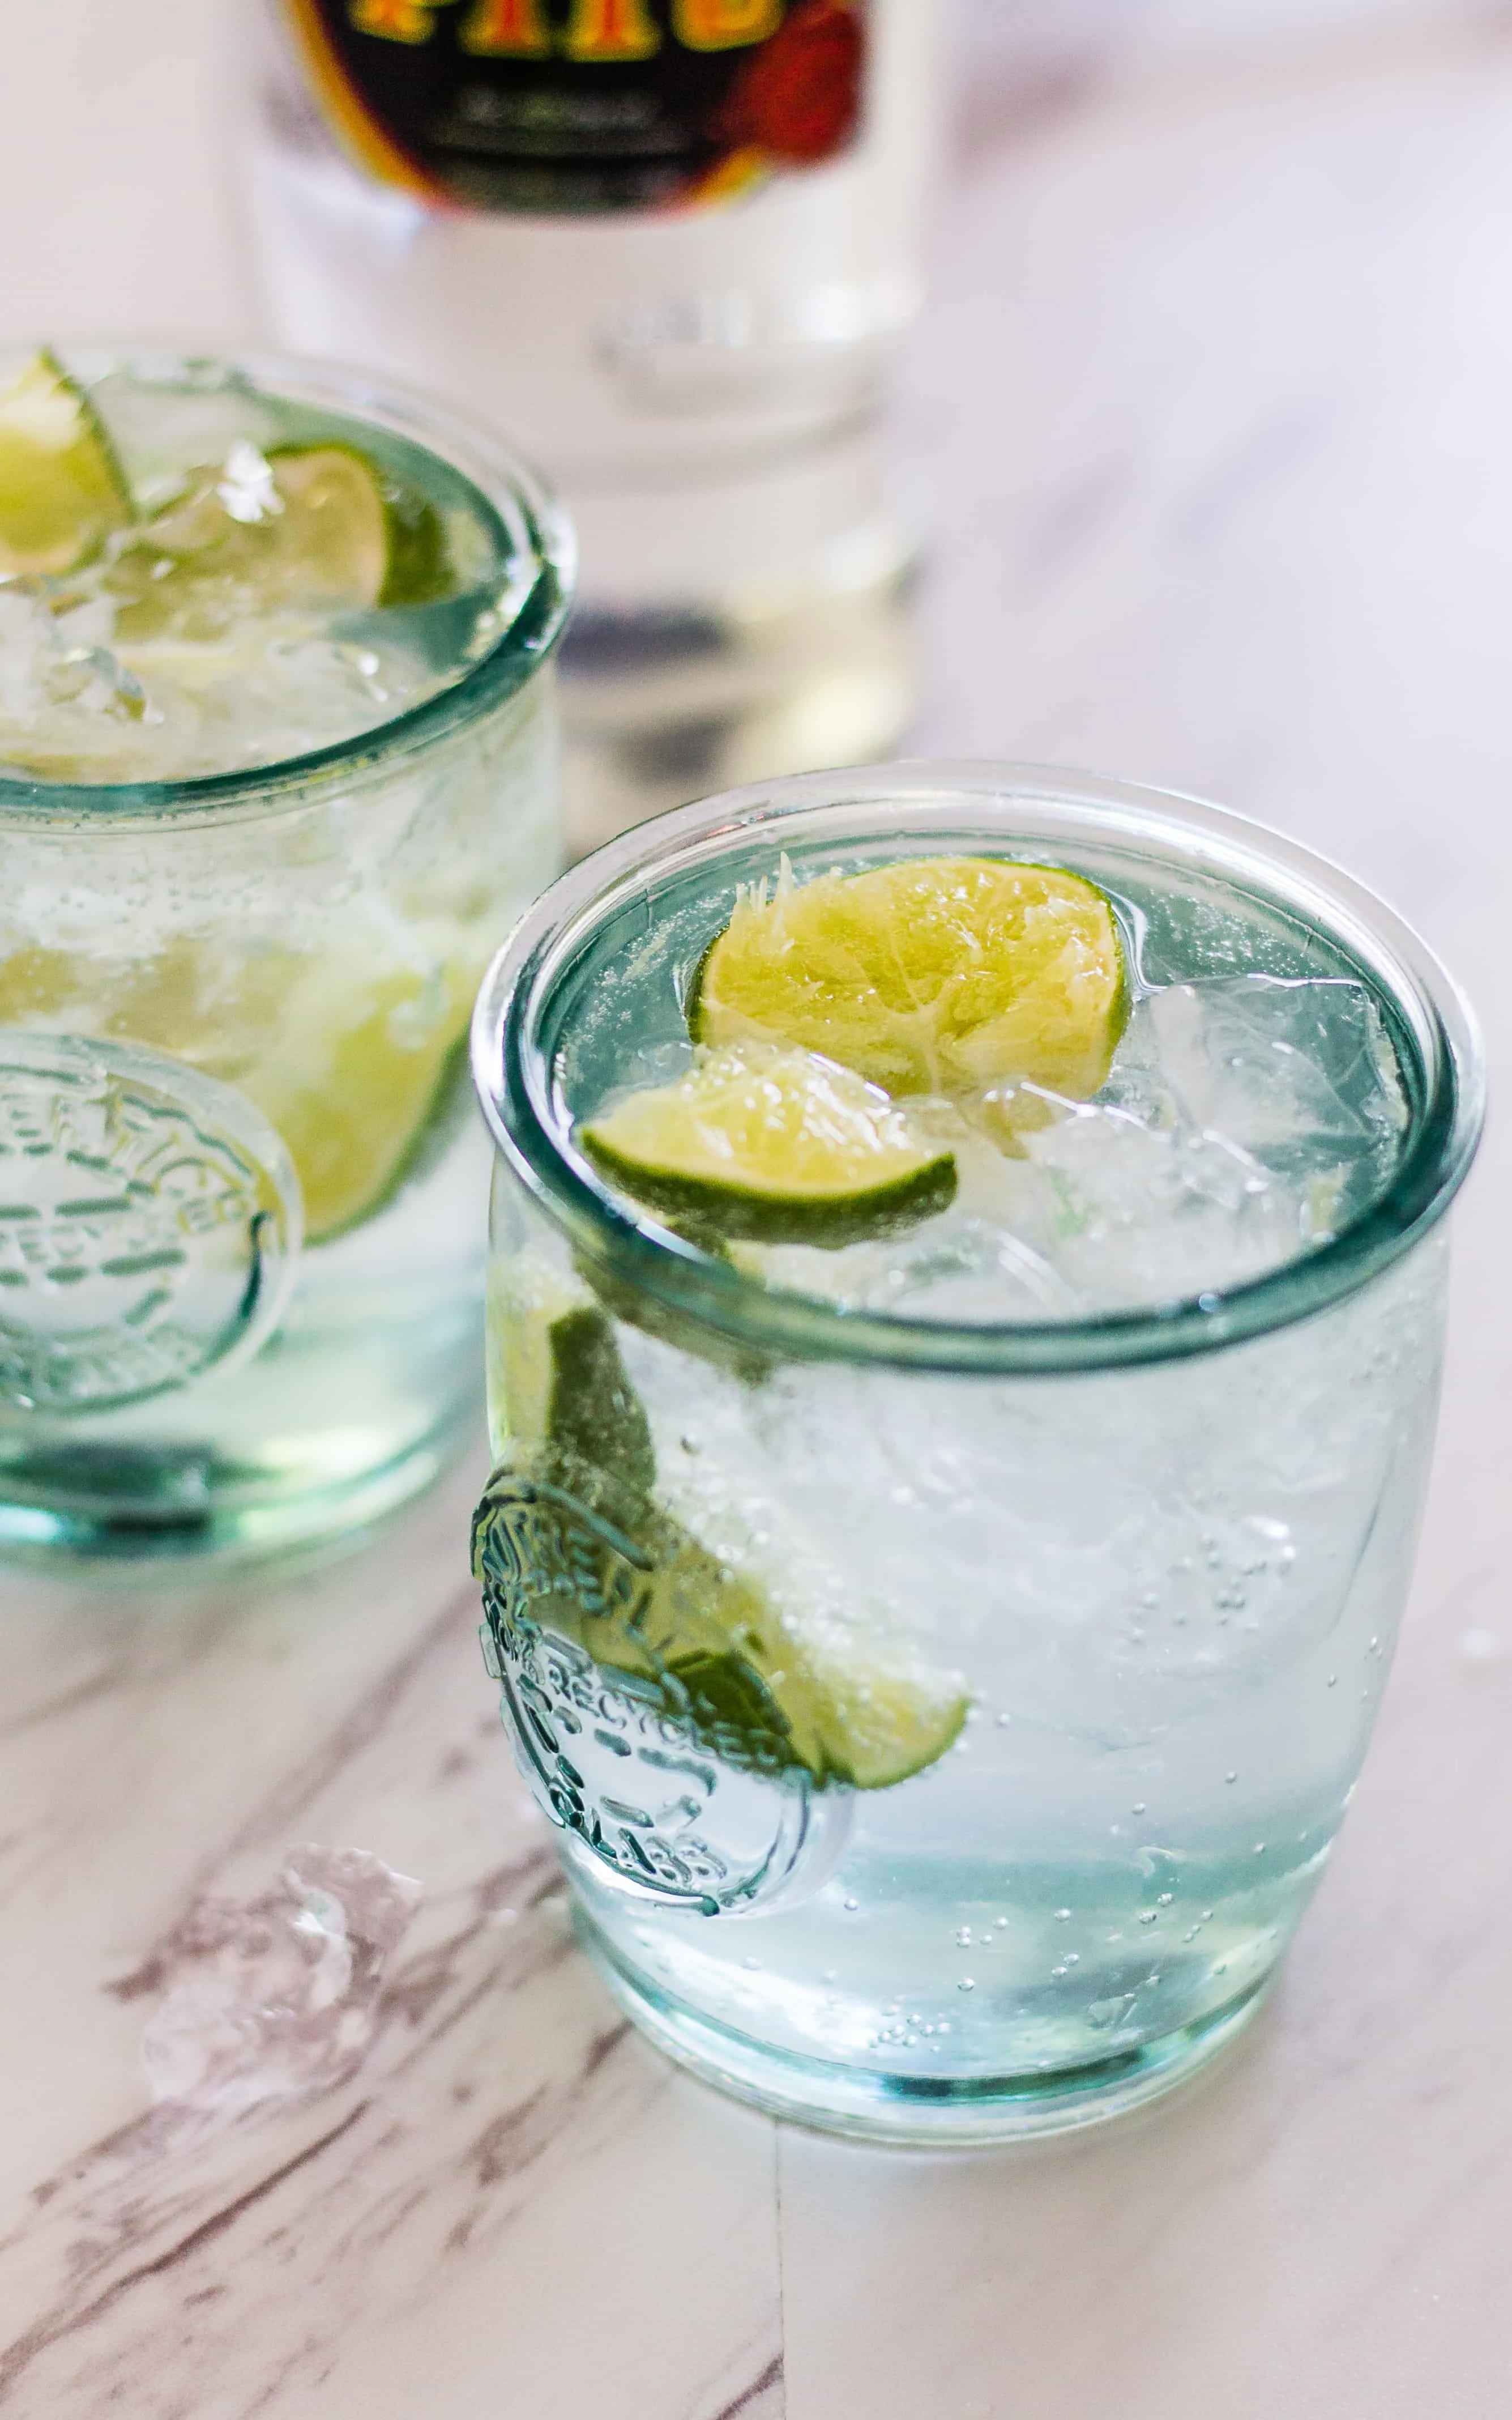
{"type": "Point", "coordinates": [1126, 1448]}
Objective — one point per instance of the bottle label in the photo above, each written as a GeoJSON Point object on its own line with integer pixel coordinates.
{"type": "Point", "coordinates": [576, 106]}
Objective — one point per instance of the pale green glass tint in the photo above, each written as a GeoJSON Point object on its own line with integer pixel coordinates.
{"type": "Point", "coordinates": [594, 991]}
{"type": "Point", "coordinates": [305, 936]}
{"type": "Point", "coordinates": [1163, 1550]}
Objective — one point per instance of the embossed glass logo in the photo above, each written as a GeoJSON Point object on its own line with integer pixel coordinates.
{"type": "Point", "coordinates": [149, 1223]}
{"type": "Point", "coordinates": [677, 1775]}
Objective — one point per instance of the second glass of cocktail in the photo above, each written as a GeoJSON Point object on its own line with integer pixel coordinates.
{"type": "Point", "coordinates": [278, 768]}
{"type": "Point", "coordinates": [966, 1312]}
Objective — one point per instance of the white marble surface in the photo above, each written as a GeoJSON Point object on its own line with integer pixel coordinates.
{"type": "Point", "coordinates": [1216, 398]}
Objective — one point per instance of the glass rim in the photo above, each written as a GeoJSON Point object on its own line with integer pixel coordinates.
{"type": "Point", "coordinates": [515, 1087]}
{"type": "Point", "coordinates": [541, 539]}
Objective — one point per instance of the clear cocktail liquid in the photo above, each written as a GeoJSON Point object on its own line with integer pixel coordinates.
{"type": "Point", "coordinates": [1169, 1589]}
{"type": "Point", "coordinates": [273, 837]}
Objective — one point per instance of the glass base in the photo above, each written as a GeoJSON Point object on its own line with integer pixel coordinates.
{"type": "Point", "coordinates": [932, 2113]}
{"type": "Point", "coordinates": [124, 1542]}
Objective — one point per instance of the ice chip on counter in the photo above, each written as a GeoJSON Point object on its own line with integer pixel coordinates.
{"type": "Point", "coordinates": [277, 1997]}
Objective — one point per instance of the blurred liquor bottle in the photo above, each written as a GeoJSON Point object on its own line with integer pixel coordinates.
{"type": "Point", "coordinates": [672, 245]}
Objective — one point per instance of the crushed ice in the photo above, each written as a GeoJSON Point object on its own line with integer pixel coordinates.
{"type": "Point", "coordinates": [246, 487]}
{"type": "Point", "coordinates": [173, 653]}
{"type": "Point", "coordinates": [1245, 1121]}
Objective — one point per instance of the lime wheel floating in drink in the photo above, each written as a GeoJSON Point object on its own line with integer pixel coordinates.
{"type": "Point", "coordinates": [62, 490]}
{"type": "Point", "coordinates": [773, 1144]}
{"type": "Point", "coordinates": [933, 975]}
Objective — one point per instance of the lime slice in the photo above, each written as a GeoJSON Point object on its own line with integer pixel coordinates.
{"type": "Point", "coordinates": [757, 1689]}
{"type": "Point", "coordinates": [331, 538]}
{"type": "Point", "coordinates": [353, 1067]}
{"type": "Point", "coordinates": [355, 1110]}
{"type": "Point", "coordinates": [302, 526]}
{"type": "Point", "coordinates": [62, 491]}
{"type": "Point", "coordinates": [559, 1382]}
{"type": "Point", "coordinates": [420, 568]}
{"type": "Point", "coordinates": [881, 1718]}
{"type": "Point", "coordinates": [645, 1598]}
{"type": "Point", "coordinates": [775, 1145]}
{"type": "Point", "coordinates": [358, 532]}
{"type": "Point", "coordinates": [938, 975]}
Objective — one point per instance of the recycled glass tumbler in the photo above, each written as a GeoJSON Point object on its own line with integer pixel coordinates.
{"type": "Point", "coordinates": [1162, 1549]}
{"type": "Point", "coordinates": [240, 1173]}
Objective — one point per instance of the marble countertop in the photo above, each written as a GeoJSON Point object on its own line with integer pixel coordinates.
{"type": "Point", "coordinates": [1215, 396]}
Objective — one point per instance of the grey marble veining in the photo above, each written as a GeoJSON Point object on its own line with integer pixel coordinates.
{"type": "Point", "coordinates": [418, 2239]}
{"type": "Point", "coordinates": [1213, 399]}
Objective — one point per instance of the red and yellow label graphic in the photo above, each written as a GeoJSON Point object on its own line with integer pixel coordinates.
{"type": "Point", "coordinates": [506, 29]}
{"type": "Point", "coordinates": [725, 25]}
{"type": "Point", "coordinates": [569, 106]}
{"type": "Point", "coordinates": [396, 21]}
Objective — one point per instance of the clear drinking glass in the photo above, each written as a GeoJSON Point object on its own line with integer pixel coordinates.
{"type": "Point", "coordinates": [233, 1008]}
{"type": "Point", "coordinates": [1162, 1536]}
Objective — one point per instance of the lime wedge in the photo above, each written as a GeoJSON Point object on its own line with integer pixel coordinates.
{"type": "Point", "coordinates": [936, 975]}
{"type": "Point", "coordinates": [526, 1299]}
{"type": "Point", "coordinates": [302, 526]}
{"type": "Point", "coordinates": [881, 1718]}
{"type": "Point", "coordinates": [559, 1382]}
{"type": "Point", "coordinates": [759, 1691]}
{"type": "Point", "coordinates": [773, 1145]}
{"type": "Point", "coordinates": [62, 491]}
{"type": "Point", "coordinates": [644, 1597]}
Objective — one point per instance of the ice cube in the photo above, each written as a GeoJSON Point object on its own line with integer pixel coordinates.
{"type": "Point", "coordinates": [958, 1268]}
{"type": "Point", "coordinates": [67, 700]}
{"type": "Point", "coordinates": [246, 487]}
{"type": "Point", "coordinates": [1297, 1073]}
{"type": "Point", "coordinates": [1243, 1122]}
{"type": "Point", "coordinates": [195, 413]}
{"type": "Point", "coordinates": [280, 1997]}
{"type": "Point", "coordinates": [27, 643]}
